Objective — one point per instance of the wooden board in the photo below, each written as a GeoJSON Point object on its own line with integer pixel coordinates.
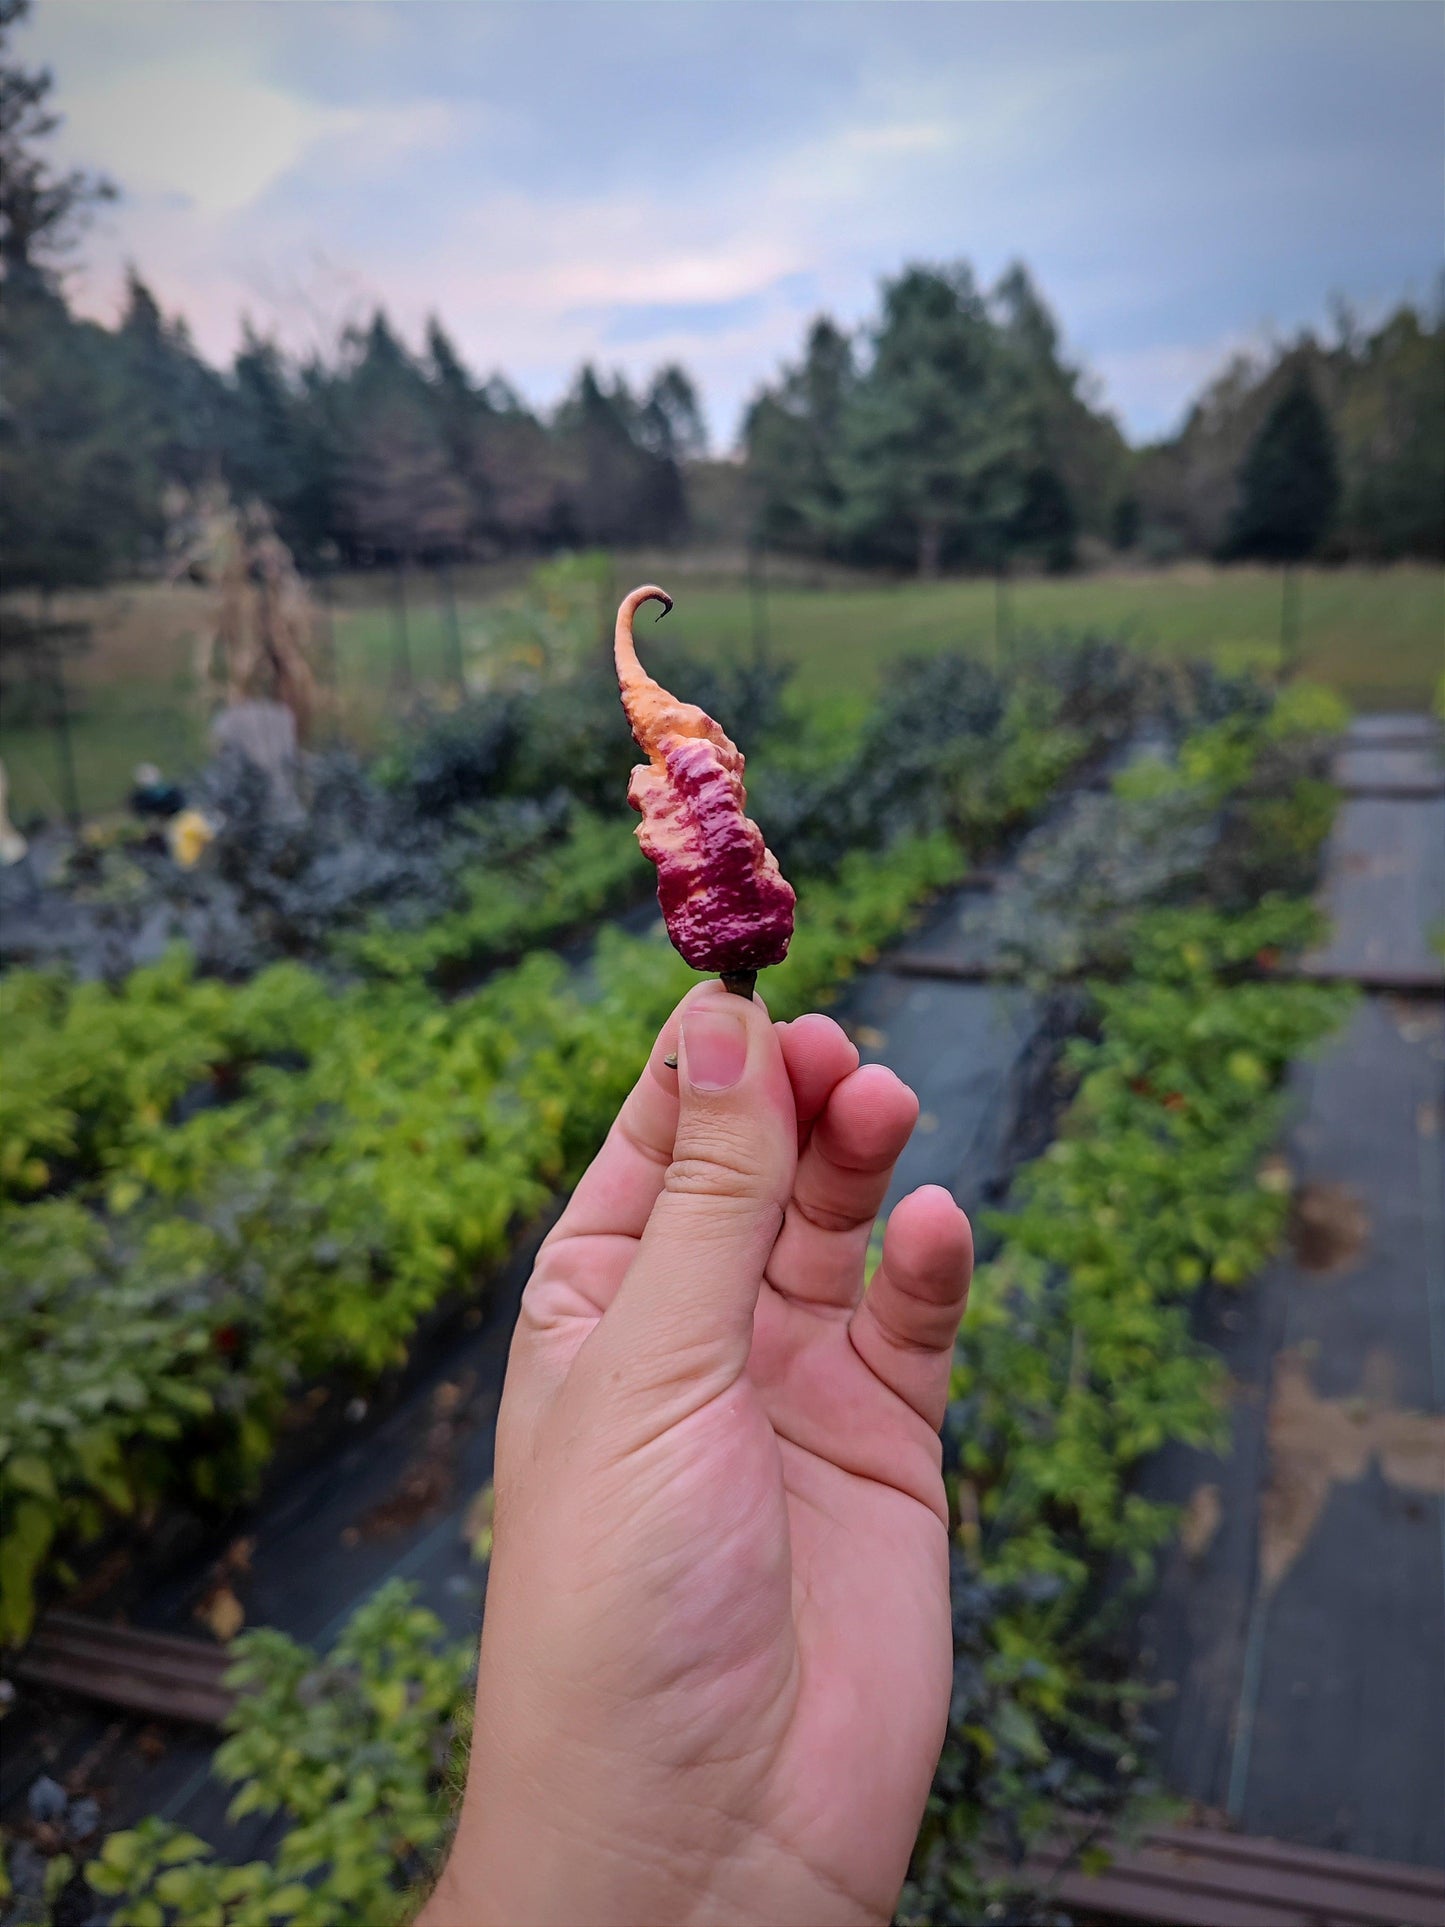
{"type": "Point", "coordinates": [1194, 1877]}
{"type": "Point", "coordinates": [159, 1674]}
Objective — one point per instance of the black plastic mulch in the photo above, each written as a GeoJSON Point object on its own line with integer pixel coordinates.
{"type": "Point", "coordinates": [1299, 1628]}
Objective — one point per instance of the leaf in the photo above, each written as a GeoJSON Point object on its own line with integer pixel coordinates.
{"type": "Point", "coordinates": [57, 1875]}
{"type": "Point", "coordinates": [121, 1854]}
{"type": "Point", "coordinates": [183, 1846]}
{"type": "Point", "coordinates": [389, 1699]}
{"type": "Point", "coordinates": [27, 1473]}
{"type": "Point", "coordinates": [23, 1547]}
{"type": "Point", "coordinates": [477, 1523]}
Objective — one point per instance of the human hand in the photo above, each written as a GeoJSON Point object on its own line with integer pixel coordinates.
{"type": "Point", "coordinates": [716, 1658]}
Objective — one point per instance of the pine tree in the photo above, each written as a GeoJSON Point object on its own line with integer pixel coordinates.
{"type": "Point", "coordinates": [937, 450]}
{"type": "Point", "coordinates": [1288, 482]}
{"type": "Point", "coordinates": [401, 494]}
{"type": "Point", "coordinates": [794, 437]}
{"type": "Point", "coordinates": [40, 211]}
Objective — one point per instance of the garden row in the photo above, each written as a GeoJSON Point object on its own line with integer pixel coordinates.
{"type": "Point", "coordinates": [1076, 1361]}
{"type": "Point", "coordinates": [214, 1193]}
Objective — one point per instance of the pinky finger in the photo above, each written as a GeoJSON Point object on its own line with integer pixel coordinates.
{"type": "Point", "coordinates": [905, 1327]}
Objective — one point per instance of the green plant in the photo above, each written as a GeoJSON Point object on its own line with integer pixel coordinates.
{"type": "Point", "coordinates": [275, 1182]}
{"type": "Point", "coordinates": [376, 1152]}
{"type": "Point", "coordinates": [353, 1750]}
{"type": "Point", "coordinates": [1078, 1359]}
{"type": "Point", "coordinates": [546, 892]}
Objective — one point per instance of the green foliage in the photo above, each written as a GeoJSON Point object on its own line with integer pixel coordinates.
{"type": "Point", "coordinates": [962, 438]}
{"type": "Point", "coordinates": [1289, 483]}
{"type": "Point", "coordinates": [375, 1152]}
{"type": "Point", "coordinates": [1381, 391]}
{"type": "Point", "coordinates": [564, 614]}
{"type": "Point", "coordinates": [352, 1750]}
{"type": "Point", "coordinates": [545, 893]}
{"type": "Point", "coordinates": [274, 1182]}
{"type": "Point", "coordinates": [1077, 1360]}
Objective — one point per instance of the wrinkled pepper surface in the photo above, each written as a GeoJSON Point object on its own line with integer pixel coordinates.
{"type": "Point", "coordinates": [726, 904]}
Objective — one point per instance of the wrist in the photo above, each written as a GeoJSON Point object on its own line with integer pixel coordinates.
{"type": "Point", "coordinates": [515, 1867]}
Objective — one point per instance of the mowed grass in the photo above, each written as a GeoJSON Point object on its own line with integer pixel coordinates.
{"type": "Point", "coordinates": [1378, 635]}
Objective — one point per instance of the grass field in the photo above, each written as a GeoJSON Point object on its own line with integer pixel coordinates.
{"type": "Point", "coordinates": [1377, 635]}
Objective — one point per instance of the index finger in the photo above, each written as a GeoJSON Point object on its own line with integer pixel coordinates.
{"type": "Point", "coordinates": [615, 1194]}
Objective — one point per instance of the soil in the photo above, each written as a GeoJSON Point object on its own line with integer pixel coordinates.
{"type": "Point", "coordinates": [1329, 1227]}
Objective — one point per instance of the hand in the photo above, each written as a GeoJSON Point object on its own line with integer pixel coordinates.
{"type": "Point", "coordinates": [716, 1658]}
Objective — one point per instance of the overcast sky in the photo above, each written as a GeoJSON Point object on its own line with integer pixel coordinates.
{"type": "Point", "coordinates": [642, 182]}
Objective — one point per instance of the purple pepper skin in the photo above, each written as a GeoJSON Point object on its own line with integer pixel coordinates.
{"type": "Point", "coordinates": [726, 905]}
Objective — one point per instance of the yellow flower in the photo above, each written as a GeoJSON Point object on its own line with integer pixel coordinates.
{"type": "Point", "coordinates": [188, 834]}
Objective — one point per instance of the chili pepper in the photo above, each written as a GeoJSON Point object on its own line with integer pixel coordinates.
{"type": "Point", "coordinates": [726, 904]}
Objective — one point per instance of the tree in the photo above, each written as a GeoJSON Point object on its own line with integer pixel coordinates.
{"type": "Point", "coordinates": [177, 399]}
{"type": "Point", "coordinates": [1289, 483]}
{"type": "Point", "coordinates": [402, 496]}
{"type": "Point", "coordinates": [40, 211]}
{"type": "Point", "coordinates": [1289, 489]}
{"type": "Point", "coordinates": [626, 480]}
{"type": "Point", "coordinates": [670, 421]}
{"type": "Point", "coordinates": [1080, 459]}
{"type": "Point", "coordinates": [1391, 421]}
{"type": "Point", "coordinates": [795, 441]}
{"type": "Point", "coordinates": [936, 443]}
{"type": "Point", "coordinates": [1383, 396]}
{"type": "Point", "coordinates": [262, 443]}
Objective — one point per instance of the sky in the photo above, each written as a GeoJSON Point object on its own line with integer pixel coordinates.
{"type": "Point", "coordinates": [634, 183]}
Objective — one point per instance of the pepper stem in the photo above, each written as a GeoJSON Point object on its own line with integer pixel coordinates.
{"type": "Point", "coordinates": [740, 982]}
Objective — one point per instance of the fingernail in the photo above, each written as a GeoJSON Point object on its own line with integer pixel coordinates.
{"type": "Point", "coordinates": [715, 1048]}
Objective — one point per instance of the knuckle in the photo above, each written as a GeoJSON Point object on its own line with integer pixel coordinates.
{"type": "Point", "coordinates": [718, 1174]}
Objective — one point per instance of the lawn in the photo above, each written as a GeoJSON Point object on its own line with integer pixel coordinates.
{"type": "Point", "coordinates": [1377, 634]}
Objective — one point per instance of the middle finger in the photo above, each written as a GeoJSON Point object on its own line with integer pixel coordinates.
{"type": "Point", "coordinates": [843, 1178]}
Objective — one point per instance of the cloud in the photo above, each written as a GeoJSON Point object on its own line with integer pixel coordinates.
{"type": "Point", "coordinates": [190, 133]}
{"type": "Point", "coordinates": [567, 182]}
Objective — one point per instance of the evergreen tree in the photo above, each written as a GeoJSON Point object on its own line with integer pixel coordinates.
{"type": "Point", "coordinates": [1080, 460]}
{"type": "Point", "coordinates": [1289, 481]}
{"type": "Point", "coordinates": [79, 486]}
{"type": "Point", "coordinates": [937, 447]}
{"type": "Point", "coordinates": [671, 425]}
{"type": "Point", "coordinates": [401, 496]}
{"type": "Point", "coordinates": [263, 459]}
{"type": "Point", "coordinates": [40, 211]}
{"type": "Point", "coordinates": [1391, 417]}
{"type": "Point", "coordinates": [178, 402]}
{"type": "Point", "coordinates": [795, 442]}
{"type": "Point", "coordinates": [626, 486]}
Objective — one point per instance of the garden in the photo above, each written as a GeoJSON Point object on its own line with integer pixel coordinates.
{"type": "Point", "coordinates": [328, 950]}
{"type": "Point", "coordinates": [274, 1118]}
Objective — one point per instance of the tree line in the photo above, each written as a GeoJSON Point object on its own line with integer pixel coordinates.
{"type": "Point", "coordinates": [1368, 413]}
{"type": "Point", "coordinates": [950, 432]}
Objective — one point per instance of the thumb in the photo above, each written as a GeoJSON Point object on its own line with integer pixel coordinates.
{"type": "Point", "coordinates": [683, 1314]}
